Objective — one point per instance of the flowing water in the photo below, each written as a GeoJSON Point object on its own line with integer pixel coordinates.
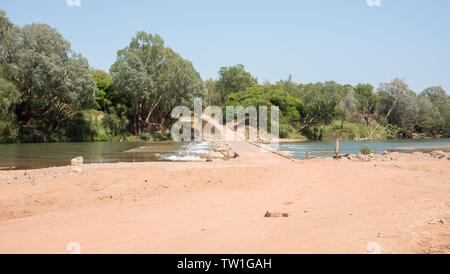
{"type": "Point", "coordinates": [32, 156]}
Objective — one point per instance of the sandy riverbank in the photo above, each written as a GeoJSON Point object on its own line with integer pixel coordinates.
{"type": "Point", "coordinates": [401, 204]}
{"type": "Point", "coordinates": [428, 148]}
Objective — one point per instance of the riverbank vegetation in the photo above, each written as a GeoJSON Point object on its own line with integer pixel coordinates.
{"type": "Point", "coordinates": [49, 93]}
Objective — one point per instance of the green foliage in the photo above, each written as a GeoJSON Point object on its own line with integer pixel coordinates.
{"type": "Point", "coordinates": [428, 112]}
{"type": "Point", "coordinates": [321, 102]}
{"type": "Point", "coordinates": [154, 79]}
{"type": "Point", "coordinates": [313, 133]}
{"type": "Point", "coordinates": [105, 91]}
{"type": "Point", "coordinates": [151, 135]}
{"type": "Point", "coordinates": [366, 101]}
{"type": "Point", "coordinates": [440, 115]}
{"type": "Point", "coordinates": [214, 97]}
{"type": "Point", "coordinates": [96, 126]}
{"type": "Point", "coordinates": [366, 150]}
{"type": "Point", "coordinates": [51, 81]}
{"type": "Point", "coordinates": [49, 93]}
{"type": "Point", "coordinates": [9, 96]}
{"type": "Point", "coordinates": [351, 131]}
{"type": "Point", "coordinates": [269, 95]}
{"type": "Point", "coordinates": [233, 79]}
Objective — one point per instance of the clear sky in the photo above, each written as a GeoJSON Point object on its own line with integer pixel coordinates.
{"type": "Point", "coordinates": [348, 41]}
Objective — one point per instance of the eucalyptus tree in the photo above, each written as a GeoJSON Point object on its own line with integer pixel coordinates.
{"type": "Point", "coordinates": [154, 79]}
{"type": "Point", "coordinates": [389, 96]}
{"type": "Point", "coordinates": [441, 103]}
{"type": "Point", "coordinates": [9, 96]}
{"type": "Point", "coordinates": [53, 80]}
{"type": "Point", "coordinates": [366, 101]}
{"type": "Point", "coordinates": [321, 102]}
{"type": "Point", "coordinates": [233, 79]}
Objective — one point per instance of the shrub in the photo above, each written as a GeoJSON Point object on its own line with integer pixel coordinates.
{"type": "Point", "coordinates": [366, 150]}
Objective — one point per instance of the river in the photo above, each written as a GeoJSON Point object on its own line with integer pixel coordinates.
{"type": "Point", "coordinates": [43, 155]}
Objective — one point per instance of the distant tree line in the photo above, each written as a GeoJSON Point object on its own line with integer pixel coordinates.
{"type": "Point", "coordinates": [49, 93]}
{"type": "Point", "coordinates": [392, 110]}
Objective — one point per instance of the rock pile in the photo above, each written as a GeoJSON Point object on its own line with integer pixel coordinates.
{"type": "Point", "coordinates": [221, 150]}
{"type": "Point", "coordinates": [439, 154]}
{"type": "Point", "coordinates": [393, 156]}
{"type": "Point", "coordinates": [77, 164]}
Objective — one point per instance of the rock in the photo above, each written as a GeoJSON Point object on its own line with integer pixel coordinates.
{"type": "Point", "coordinates": [77, 164]}
{"type": "Point", "coordinates": [385, 153]}
{"type": "Point", "coordinates": [275, 215]}
{"type": "Point", "coordinates": [435, 222]}
{"type": "Point", "coordinates": [77, 161]}
{"type": "Point", "coordinates": [438, 154]}
{"type": "Point", "coordinates": [231, 154]}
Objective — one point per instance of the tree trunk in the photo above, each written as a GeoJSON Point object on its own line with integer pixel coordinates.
{"type": "Point", "coordinates": [147, 119]}
{"type": "Point", "coordinates": [307, 123]}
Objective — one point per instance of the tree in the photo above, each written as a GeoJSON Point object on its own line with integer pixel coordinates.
{"type": "Point", "coordinates": [104, 90]}
{"type": "Point", "coordinates": [271, 95]}
{"type": "Point", "coordinates": [53, 81]}
{"type": "Point", "coordinates": [5, 25]}
{"type": "Point", "coordinates": [441, 103]}
{"type": "Point", "coordinates": [321, 102]}
{"type": "Point", "coordinates": [233, 79]}
{"type": "Point", "coordinates": [9, 96]}
{"type": "Point", "coordinates": [154, 79]}
{"type": "Point", "coordinates": [366, 101]}
{"type": "Point", "coordinates": [214, 98]}
{"type": "Point", "coordinates": [403, 108]}
{"type": "Point", "coordinates": [289, 86]}
{"type": "Point", "coordinates": [389, 95]}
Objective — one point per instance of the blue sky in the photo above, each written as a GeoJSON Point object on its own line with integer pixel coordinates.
{"type": "Point", "coordinates": [315, 40]}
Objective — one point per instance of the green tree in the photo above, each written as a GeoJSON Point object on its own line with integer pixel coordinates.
{"type": "Point", "coordinates": [271, 95]}
{"type": "Point", "coordinates": [104, 90]}
{"type": "Point", "coordinates": [53, 81]}
{"type": "Point", "coordinates": [441, 104]}
{"type": "Point", "coordinates": [412, 113]}
{"type": "Point", "coordinates": [366, 101]}
{"type": "Point", "coordinates": [154, 79]}
{"type": "Point", "coordinates": [214, 98]}
{"type": "Point", "coordinates": [233, 79]}
{"type": "Point", "coordinates": [321, 102]}
{"type": "Point", "coordinates": [9, 96]}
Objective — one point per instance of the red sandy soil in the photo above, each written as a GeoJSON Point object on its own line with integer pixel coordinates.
{"type": "Point", "coordinates": [401, 206]}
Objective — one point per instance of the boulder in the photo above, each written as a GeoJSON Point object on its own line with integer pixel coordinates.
{"type": "Point", "coordinates": [77, 164]}
{"type": "Point", "coordinates": [385, 153]}
{"type": "Point", "coordinates": [77, 161]}
{"type": "Point", "coordinates": [231, 154]}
